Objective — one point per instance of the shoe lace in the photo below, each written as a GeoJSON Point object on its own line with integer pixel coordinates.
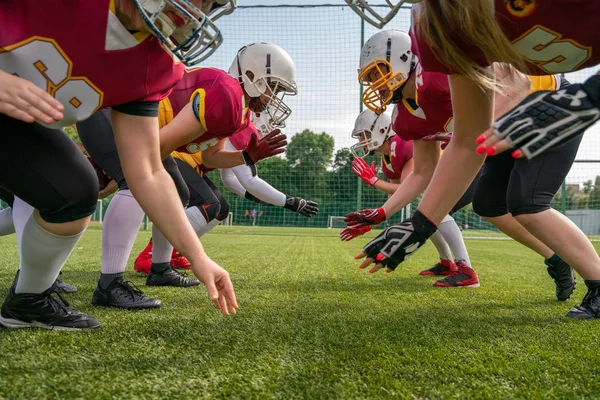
{"type": "Point", "coordinates": [131, 289]}
{"type": "Point", "coordinates": [59, 304]}
{"type": "Point", "coordinates": [592, 293]}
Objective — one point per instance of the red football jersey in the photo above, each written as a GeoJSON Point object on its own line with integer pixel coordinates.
{"type": "Point", "coordinates": [433, 112]}
{"type": "Point", "coordinates": [401, 151]}
{"type": "Point", "coordinates": [557, 36]}
{"type": "Point", "coordinates": [241, 139]}
{"type": "Point", "coordinates": [82, 55]}
{"type": "Point", "coordinates": [219, 102]}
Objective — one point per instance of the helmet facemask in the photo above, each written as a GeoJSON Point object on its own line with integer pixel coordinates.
{"type": "Point", "coordinates": [222, 8]}
{"type": "Point", "coordinates": [193, 41]}
{"type": "Point", "coordinates": [368, 13]}
{"type": "Point", "coordinates": [387, 79]}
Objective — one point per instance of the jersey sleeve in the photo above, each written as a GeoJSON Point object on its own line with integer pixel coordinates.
{"type": "Point", "coordinates": [241, 139]}
{"type": "Point", "coordinates": [219, 109]}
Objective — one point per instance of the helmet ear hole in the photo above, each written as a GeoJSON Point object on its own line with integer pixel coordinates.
{"type": "Point", "coordinates": [250, 75]}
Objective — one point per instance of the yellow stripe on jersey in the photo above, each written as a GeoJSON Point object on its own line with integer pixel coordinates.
{"type": "Point", "coordinates": [193, 160]}
{"type": "Point", "coordinates": [165, 112]}
{"type": "Point", "coordinates": [199, 103]}
{"type": "Point", "coordinates": [543, 82]}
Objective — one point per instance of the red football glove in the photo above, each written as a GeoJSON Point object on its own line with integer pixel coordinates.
{"type": "Point", "coordinates": [360, 218]}
{"type": "Point", "coordinates": [268, 146]}
{"type": "Point", "coordinates": [439, 137]}
{"type": "Point", "coordinates": [351, 232]}
{"type": "Point", "coordinates": [364, 172]}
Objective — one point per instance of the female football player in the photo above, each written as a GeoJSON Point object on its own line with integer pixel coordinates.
{"type": "Point", "coordinates": [544, 42]}
{"type": "Point", "coordinates": [242, 180]}
{"type": "Point", "coordinates": [50, 76]}
{"type": "Point", "coordinates": [434, 114]}
{"type": "Point", "coordinates": [204, 108]}
{"type": "Point", "coordinates": [375, 134]}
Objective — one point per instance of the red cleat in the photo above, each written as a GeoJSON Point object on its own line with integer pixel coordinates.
{"type": "Point", "coordinates": [465, 276]}
{"type": "Point", "coordinates": [444, 267]}
{"type": "Point", "coordinates": [143, 262]}
{"type": "Point", "coordinates": [179, 261]}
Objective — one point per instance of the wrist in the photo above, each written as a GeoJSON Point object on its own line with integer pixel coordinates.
{"type": "Point", "coordinates": [247, 159]}
{"type": "Point", "coordinates": [382, 213]}
{"type": "Point", "coordinates": [373, 181]}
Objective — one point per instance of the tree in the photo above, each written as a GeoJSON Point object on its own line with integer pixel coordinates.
{"type": "Point", "coordinates": [308, 155]}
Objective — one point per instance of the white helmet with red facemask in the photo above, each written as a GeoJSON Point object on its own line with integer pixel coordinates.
{"type": "Point", "coordinates": [386, 61]}
{"type": "Point", "coordinates": [188, 33]}
{"type": "Point", "coordinates": [372, 131]}
{"type": "Point", "coordinates": [266, 71]}
{"type": "Point", "coordinates": [369, 14]}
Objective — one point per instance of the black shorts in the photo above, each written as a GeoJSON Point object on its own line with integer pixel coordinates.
{"type": "Point", "coordinates": [203, 193]}
{"type": "Point", "coordinates": [97, 136]}
{"type": "Point", "coordinates": [45, 169]}
{"type": "Point", "coordinates": [522, 186]}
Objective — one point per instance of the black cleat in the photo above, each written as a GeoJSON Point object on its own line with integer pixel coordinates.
{"type": "Point", "coordinates": [563, 276]}
{"type": "Point", "coordinates": [590, 305]}
{"type": "Point", "coordinates": [170, 278]}
{"type": "Point", "coordinates": [64, 287]}
{"type": "Point", "coordinates": [46, 310]}
{"type": "Point", "coordinates": [121, 294]}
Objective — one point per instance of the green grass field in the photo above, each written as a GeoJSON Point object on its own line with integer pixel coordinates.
{"type": "Point", "coordinates": [311, 325]}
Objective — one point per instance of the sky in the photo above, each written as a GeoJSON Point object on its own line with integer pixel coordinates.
{"type": "Point", "coordinates": [325, 44]}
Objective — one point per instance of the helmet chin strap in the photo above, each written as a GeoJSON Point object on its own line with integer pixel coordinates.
{"type": "Point", "coordinates": [397, 96]}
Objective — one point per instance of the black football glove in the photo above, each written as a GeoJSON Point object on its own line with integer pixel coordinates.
{"type": "Point", "coordinates": [307, 208]}
{"type": "Point", "coordinates": [397, 242]}
{"type": "Point", "coordinates": [545, 119]}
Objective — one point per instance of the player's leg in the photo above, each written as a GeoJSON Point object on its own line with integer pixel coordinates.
{"type": "Point", "coordinates": [530, 192]}
{"type": "Point", "coordinates": [121, 222]}
{"type": "Point", "coordinates": [161, 273]}
{"type": "Point", "coordinates": [490, 202]}
{"type": "Point", "coordinates": [464, 275]}
{"type": "Point", "coordinates": [58, 189]}
{"type": "Point", "coordinates": [446, 266]}
{"type": "Point", "coordinates": [205, 207]}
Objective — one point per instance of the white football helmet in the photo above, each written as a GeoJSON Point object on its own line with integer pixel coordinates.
{"type": "Point", "coordinates": [193, 41]}
{"type": "Point", "coordinates": [368, 13]}
{"type": "Point", "coordinates": [265, 69]}
{"type": "Point", "coordinates": [386, 61]}
{"type": "Point", "coordinates": [372, 131]}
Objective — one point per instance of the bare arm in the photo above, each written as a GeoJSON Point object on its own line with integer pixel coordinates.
{"type": "Point", "coordinates": [473, 114]}
{"type": "Point", "coordinates": [183, 129]}
{"type": "Point", "coordinates": [217, 157]}
{"type": "Point", "coordinates": [426, 155]}
{"type": "Point", "coordinates": [138, 144]}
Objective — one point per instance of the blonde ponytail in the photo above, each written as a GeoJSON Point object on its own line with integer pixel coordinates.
{"type": "Point", "coordinates": [475, 20]}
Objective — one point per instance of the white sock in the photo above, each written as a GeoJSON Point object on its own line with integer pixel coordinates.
{"type": "Point", "coordinates": [6, 222]}
{"type": "Point", "coordinates": [119, 230]}
{"type": "Point", "coordinates": [21, 213]}
{"type": "Point", "coordinates": [201, 227]}
{"type": "Point", "coordinates": [43, 255]}
{"type": "Point", "coordinates": [453, 236]}
{"type": "Point", "coordinates": [442, 247]}
{"type": "Point", "coordinates": [161, 248]}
